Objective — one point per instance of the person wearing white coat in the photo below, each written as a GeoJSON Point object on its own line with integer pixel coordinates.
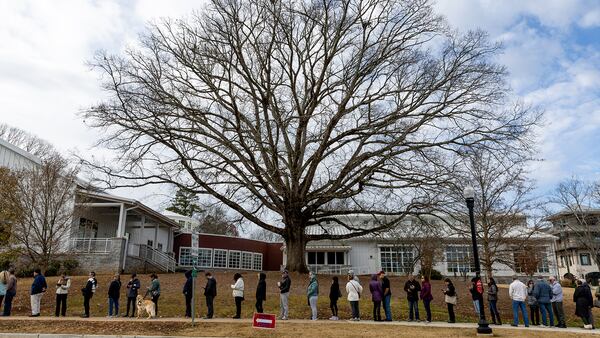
{"type": "Point", "coordinates": [238, 294]}
{"type": "Point", "coordinates": [62, 290]}
{"type": "Point", "coordinates": [354, 290]}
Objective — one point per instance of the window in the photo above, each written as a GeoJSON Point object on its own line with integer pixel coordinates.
{"type": "Point", "coordinates": [159, 246]}
{"type": "Point", "coordinates": [181, 224]}
{"type": "Point", "coordinates": [585, 259]}
{"type": "Point", "coordinates": [458, 259]}
{"type": "Point", "coordinates": [335, 258]}
{"type": "Point", "coordinates": [88, 228]}
{"type": "Point", "coordinates": [316, 258]}
{"type": "Point", "coordinates": [150, 243]}
{"type": "Point", "coordinates": [396, 259]}
{"type": "Point", "coordinates": [187, 256]}
{"type": "Point", "coordinates": [205, 258]}
{"type": "Point", "coordinates": [257, 262]}
{"type": "Point", "coordinates": [220, 258]}
{"type": "Point", "coordinates": [234, 260]}
{"type": "Point", "coordinates": [246, 261]}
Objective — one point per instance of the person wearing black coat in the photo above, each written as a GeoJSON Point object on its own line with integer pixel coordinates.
{"type": "Point", "coordinates": [188, 293]}
{"type": "Point", "coordinates": [132, 292]}
{"type": "Point", "coordinates": [88, 292]}
{"type": "Point", "coordinates": [583, 303]}
{"type": "Point", "coordinates": [261, 292]}
{"type": "Point", "coordinates": [210, 292]}
{"type": "Point", "coordinates": [412, 288]}
{"type": "Point", "coordinates": [114, 292]}
{"type": "Point", "coordinates": [334, 295]}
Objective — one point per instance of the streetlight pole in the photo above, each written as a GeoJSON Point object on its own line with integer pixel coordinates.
{"type": "Point", "coordinates": [483, 326]}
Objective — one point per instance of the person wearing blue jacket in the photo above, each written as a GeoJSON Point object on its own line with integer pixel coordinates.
{"type": "Point", "coordinates": [312, 292]}
{"type": "Point", "coordinates": [542, 292]}
{"type": "Point", "coordinates": [38, 287]}
{"type": "Point", "coordinates": [132, 292]}
{"type": "Point", "coordinates": [188, 293]}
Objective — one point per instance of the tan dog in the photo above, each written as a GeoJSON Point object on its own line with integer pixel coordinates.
{"type": "Point", "coordinates": [145, 305]}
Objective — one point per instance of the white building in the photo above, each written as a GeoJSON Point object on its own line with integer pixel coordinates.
{"type": "Point", "coordinates": [395, 254]}
{"type": "Point", "coordinates": [571, 232]}
{"type": "Point", "coordinates": [109, 233]}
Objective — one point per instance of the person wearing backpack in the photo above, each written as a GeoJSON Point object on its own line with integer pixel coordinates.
{"type": "Point", "coordinates": [334, 295]}
{"type": "Point", "coordinates": [354, 290]}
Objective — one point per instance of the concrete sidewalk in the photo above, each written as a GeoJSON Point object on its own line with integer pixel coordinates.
{"type": "Point", "coordinates": [521, 328]}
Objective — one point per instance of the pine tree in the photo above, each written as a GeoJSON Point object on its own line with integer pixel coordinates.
{"type": "Point", "coordinates": [185, 203]}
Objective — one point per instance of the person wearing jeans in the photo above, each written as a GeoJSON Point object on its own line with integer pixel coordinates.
{"type": "Point", "coordinates": [114, 292]}
{"type": "Point", "coordinates": [284, 294]}
{"type": "Point", "coordinates": [493, 301]}
{"type": "Point", "coordinates": [557, 302]}
{"type": "Point", "coordinates": [518, 294]}
{"type": "Point", "coordinates": [412, 288]}
{"type": "Point", "coordinates": [11, 292]}
{"type": "Point", "coordinates": [387, 296]}
{"type": "Point", "coordinates": [312, 293]}
{"type": "Point", "coordinates": [132, 292]}
{"type": "Point", "coordinates": [542, 292]}
{"type": "Point", "coordinates": [426, 296]}
{"type": "Point", "coordinates": [354, 290]}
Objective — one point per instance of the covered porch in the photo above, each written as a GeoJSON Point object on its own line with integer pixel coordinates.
{"type": "Point", "coordinates": [119, 234]}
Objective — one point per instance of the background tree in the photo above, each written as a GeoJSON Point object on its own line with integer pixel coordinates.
{"type": "Point", "coordinates": [26, 141]}
{"type": "Point", "coordinates": [577, 219]}
{"type": "Point", "coordinates": [214, 220]}
{"type": "Point", "coordinates": [8, 214]}
{"type": "Point", "coordinates": [528, 258]}
{"type": "Point", "coordinates": [507, 214]}
{"type": "Point", "coordinates": [185, 203]}
{"type": "Point", "coordinates": [43, 199]}
{"type": "Point", "coordinates": [282, 110]}
{"type": "Point", "coordinates": [265, 235]}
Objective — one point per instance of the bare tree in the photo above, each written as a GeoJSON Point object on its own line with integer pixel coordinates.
{"type": "Point", "coordinates": [507, 213]}
{"type": "Point", "coordinates": [43, 199]}
{"type": "Point", "coordinates": [214, 220]}
{"type": "Point", "coordinates": [528, 258]}
{"type": "Point", "coordinates": [578, 222]}
{"type": "Point", "coordinates": [8, 214]}
{"type": "Point", "coordinates": [265, 235]}
{"type": "Point", "coordinates": [282, 110]}
{"type": "Point", "coordinates": [26, 141]}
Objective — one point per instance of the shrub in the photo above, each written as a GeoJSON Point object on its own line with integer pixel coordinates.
{"type": "Point", "coordinates": [435, 275]}
{"type": "Point", "coordinates": [70, 266]}
{"type": "Point", "coordinates": [8, 259]}
{"type": "Point", "coordinates": [53, 268]}
{"type": "Point", "coordinates": [567, 283]}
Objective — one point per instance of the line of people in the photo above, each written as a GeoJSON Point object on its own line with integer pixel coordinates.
{"type": "Point", "coordinates": [544, 299]}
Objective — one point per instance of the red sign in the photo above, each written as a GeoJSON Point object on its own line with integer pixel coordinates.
{"type": "Point", "coordinates": [263, 321]}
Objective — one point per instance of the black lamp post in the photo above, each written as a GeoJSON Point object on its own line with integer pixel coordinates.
{"type": "Point", "coordinates": [483, 326]}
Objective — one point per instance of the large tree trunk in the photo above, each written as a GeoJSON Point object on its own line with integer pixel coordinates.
{"type": "Point", "coordinates": [295, 244]}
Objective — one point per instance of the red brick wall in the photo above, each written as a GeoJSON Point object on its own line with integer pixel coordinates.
{"type": "Point", "coordinates": [272, 253]}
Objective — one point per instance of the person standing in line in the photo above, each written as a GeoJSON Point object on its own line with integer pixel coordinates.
{"type": "Point", "coordinates": [476, 296]}
{"type": "Point", "coordinates": [238, 294]}
{"type": "Point", "coordinates": [493, 301]}
{"type": "Point", "coordinates": [582, 297]}
{"type": "Point", "coordinates": [412, 288]}
{"type": "Point", "coordinates": [88, 292]}
{"type": "Point", "coordinates": [114, 293]}
{"type": "Point", "coordinates": [38, 288]}
{"type": "Point", "coordinates": [534, 308]}
{"type": "Point", "coordinates": [62, 291]}
{"type": "Point", "coordinates": [210, 292]}
{"type": "Point", "coordinates": [376, 297]}
{"type": "Point", "coordinates": [354, 290]}
{"type": "Point", "coordinates": [387, 295]}
{"type": "Point", "coordinates": [518, 294]}
{"type": "Point", "coordinates": [11, 291]}
{"type": "Point", "coordinates": [3, 281]}
{"type": "Point", "coordinates": [426, 296]}
{"type": "Point", "coordinates": [132, 292]}
{"type": "Point", "coordinates": [557, 302]}
{"type": "Point", "coordinates": [284, 294]}
{"type": "Point", "coordinates": [542, 292]}
{"type": "Point", "coordinates": [312, 293]}
{"type": "Point", "coordinates": [261, 292]}
{"type": "Point", "coordinates": [334, 295]}
{"type": "Point", "coordinates": [154, 291]}
{"type": "Point", "coordinates": [188, 293]}
{"type": "Point", "coordinates": [450, 299]}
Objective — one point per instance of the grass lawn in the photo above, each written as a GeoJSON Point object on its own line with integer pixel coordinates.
{"type": "Point", "coordinates": [172, 303]}
{"type": "Point", "coordinates": [243, 329]}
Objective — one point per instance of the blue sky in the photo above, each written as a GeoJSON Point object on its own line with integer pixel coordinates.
{"type": "Point", "coordinates": [552, 50]}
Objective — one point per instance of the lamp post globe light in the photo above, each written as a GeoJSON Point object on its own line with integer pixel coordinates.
{"type": "Point", "coordinates": [469, 193]}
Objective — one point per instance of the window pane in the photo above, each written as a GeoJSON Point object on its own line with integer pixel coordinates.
{"type": "Point", "coordinates": [321, 258]}
{"type": "Point", "coordinates": [339, 258]}
{"type": "Point", "coordinates": [331, 258]}
{"type": "Point", "coordinates": [311, 258]}
{"type": "Point", "coordinates": [234, 260]}
{"type": "Point", "coordinates": [220, 259]}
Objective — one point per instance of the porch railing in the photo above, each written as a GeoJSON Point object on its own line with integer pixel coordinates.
{"type": "Point", "coordinates": [90, 245]}
{"type": "Point", "coordinates": [164, 261]}
{"type": "Point", "coordinates": [333, 269]}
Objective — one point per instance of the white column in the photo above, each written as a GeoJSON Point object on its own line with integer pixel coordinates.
{"type": "Point", "coordinates": [142, 231]}
{"type": "Point", "coordinates": [170, 241]}
{"type": "Point", "coordinates": [156, 236]}
{"type": "Point", "coordinates": [122, 220]}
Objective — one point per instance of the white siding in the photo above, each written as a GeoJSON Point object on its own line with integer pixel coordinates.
{"type": "Point", "coordinates": [14, 158]}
